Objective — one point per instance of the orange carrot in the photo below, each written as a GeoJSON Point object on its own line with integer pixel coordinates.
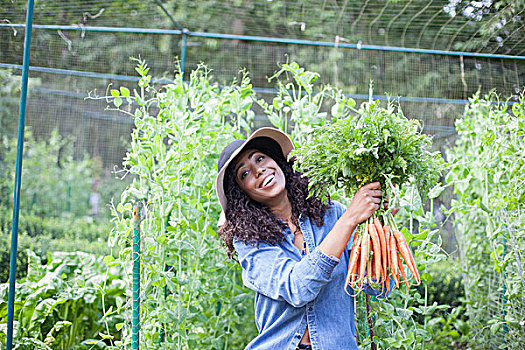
{"type": "Point", "coordinates": [351, 275]}
{"type": "Point", "coordinates": [411, 256]}
{"type": "Point", "coordinates": [382, 240]}
{"type": "Point", "coordinates": [352, 265]}
{"type": "Point", "coordinates": [369, 271]}
{"type": "Point", "coordinates": [394, 268]}
{"type": "Point", "coordinates": [354, 274]}
{"type": "Point", "coordinates": [354, 280]}
{"type": "Point", "coordinates": [400, 238]}
{"type": "Point", "coordinates": [386, 232]}
{"type": "Point", "coordinates": [365, 249]}
{"type": "Point", "coordinates": [400, 264]}
{"type": "Point", "coordinates": [376, 246]}
{"type": "Point", "coordinates": [406, 254]}
{"type": "Point", "coordinates": [387, 283]}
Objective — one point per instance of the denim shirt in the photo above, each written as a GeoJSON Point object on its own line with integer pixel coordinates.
{"type": "Point", "coordinates": [295, 290]}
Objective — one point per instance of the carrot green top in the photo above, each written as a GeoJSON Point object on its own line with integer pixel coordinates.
{"type": "Point", "coordinates": [375, 144]}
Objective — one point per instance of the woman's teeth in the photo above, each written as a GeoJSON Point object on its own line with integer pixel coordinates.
{"type": "Point", "coordinates": [267, 180]}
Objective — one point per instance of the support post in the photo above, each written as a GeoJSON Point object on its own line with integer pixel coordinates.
{"type": "Point", "coordinates": [162, 333]}
{"type": "Point", "coordinates": [370, 322]}
{"type": "Point", "coordinates": [183, 51]}
{"type": "Point", "coordinates": [135, 320]}
{"type": "Point", "coordinates": [504, 291]}
{"type": "Point", "coordinates": [18, 175]}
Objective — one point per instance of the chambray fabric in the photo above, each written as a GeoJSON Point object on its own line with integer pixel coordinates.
{"type": "Point", "coordinates": [294, 290]}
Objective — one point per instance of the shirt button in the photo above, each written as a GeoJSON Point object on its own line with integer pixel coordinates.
{"type": "Point", "coordinates": [310, 308]}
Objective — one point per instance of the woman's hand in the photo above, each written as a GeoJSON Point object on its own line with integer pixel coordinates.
{"type": "Point", "coordinates": [364, 204]}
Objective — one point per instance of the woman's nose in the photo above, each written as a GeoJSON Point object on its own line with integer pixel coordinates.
{"type": "Point", "coordinates": [260, 171]}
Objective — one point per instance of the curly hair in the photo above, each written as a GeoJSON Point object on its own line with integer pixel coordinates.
{"type": "Point", "coordinates": [252, 222]}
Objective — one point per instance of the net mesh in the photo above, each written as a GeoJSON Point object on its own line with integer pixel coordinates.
{"type": "Point", "coordinates": [70, 65]}
{"type": "Point", "coordinates": [479, 26]}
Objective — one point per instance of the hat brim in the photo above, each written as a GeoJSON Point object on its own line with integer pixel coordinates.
{"type": "Point", "coordinates": [278, 136]}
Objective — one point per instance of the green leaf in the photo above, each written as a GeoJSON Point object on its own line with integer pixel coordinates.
{"type": "Point", "coordinates": [42, 310]}
{"type": "Point", "coordinates": [426, 277]}
{"type": "Point", "coordinates": [494, 329]}
{"type": "Point", "coordinates": [275, 120]}
{"type": "Point", "coordinates": [91, 341]}
{"type": "Point", "coordinates": [124, 91]}
{"type": "Point", "coordinates": [407, 234]}
{"type": "Point", "coordinates": [436, 191]}
{"type": "Point", "coordinates": [453, 333]}
{"type": "Point", "coordinates": [60, 326]}
{"type": "Point", "coordinates": [115, 93]}
{"type": "Point", "coordinates": [106, 336]}
{"type": "Point", "coordinates": [410, 338]}
{"type": "Point", "coordinates": [404, 313]}
{"type": "Point", "coordinates": [108, 259]}
{"type": "Point", "coordinates": [117, 101]}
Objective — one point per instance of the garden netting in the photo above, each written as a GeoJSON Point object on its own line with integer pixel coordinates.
{"type": "Point", "coordinates": [82, 49]}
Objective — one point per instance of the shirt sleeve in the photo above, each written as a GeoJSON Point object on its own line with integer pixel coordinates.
{"type": "Point", "coordinates": [339, 211]}
{"type": "Point", "coordinates": [267, 269]}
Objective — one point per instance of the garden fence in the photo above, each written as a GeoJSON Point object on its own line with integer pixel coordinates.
{"type": "Point", "coordinates": [73, 65]}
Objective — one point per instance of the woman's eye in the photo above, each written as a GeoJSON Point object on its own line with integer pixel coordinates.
{"type": "Point", "coordinates": [260, 158]}
{"type": "Point", "coordinates": [243, 175]}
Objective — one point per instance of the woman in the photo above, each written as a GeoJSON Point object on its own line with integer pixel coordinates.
{"type": "Point", "coordinates": [293, 250]}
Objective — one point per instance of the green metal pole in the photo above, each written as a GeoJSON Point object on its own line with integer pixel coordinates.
{"type": "Point", "coordinates": [183, 51]}
{"type": "Point", "coordinates": [135, 319]}
{"type": "Point", "coordinates": [265, 39]}
{"type": "Point", "coordinates": [18, 175]}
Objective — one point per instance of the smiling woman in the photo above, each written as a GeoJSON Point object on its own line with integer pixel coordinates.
{"type": "Point", "coordinates": [242, 196]}
{"type": "Point", "coordinates": [293, 248]}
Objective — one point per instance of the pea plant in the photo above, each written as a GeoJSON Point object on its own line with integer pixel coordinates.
{"type": "Point", "coordinates": [297, 108]}
{"type": "Point", "coordinates": [488, 177]}
{"type": "Point", "coordinates": [191, 296]}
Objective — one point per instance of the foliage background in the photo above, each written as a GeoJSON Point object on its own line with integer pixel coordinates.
{"type": "Point", "coordinates": [487, 173]}
{"type": "Point", "coordinates": [75, 143]}
{"type": "Point", "coordinates": [191, 297]}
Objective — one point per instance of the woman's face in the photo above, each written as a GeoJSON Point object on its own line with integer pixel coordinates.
{"type": "Point", "coordinates": [260, 177]}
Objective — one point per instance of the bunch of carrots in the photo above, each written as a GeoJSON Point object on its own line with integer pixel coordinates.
{"type": "Point", "coordinates": [377, 253]}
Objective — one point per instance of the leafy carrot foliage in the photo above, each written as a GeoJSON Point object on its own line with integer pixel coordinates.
{"type": "Point", "coordinates": [374, 143]}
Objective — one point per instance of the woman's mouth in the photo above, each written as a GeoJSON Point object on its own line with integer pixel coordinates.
{"type": "Point", "coordinates": [268, 181]}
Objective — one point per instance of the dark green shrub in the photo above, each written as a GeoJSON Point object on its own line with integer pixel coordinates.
{"type": "Point", "coordinates": [5, 256]}
{"type": "Point", "coordinates": [45, 235]}
{"type": "Point", "coordinates": [445, 287]}
{"type": "Point", "coordinates": [449, 322]}
{"type": "Point", "coordinates": [54, 183]}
